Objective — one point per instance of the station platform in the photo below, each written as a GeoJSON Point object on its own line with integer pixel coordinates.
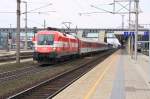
{"type": "Point", "coordinates": [117, 77]}
{"type": "Point", "coordinates": [12, 52]}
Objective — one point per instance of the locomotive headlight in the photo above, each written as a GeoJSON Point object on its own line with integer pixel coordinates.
{"type": "Point", "coordinates": [54, 48]}
{"type": "Point", "coordinates": [35, 48]}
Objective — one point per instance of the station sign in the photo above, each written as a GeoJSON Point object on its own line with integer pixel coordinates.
{"type": "Point", "coordinates": [127, 34]}
{"type": "Point", "coordinates": [146, 33]}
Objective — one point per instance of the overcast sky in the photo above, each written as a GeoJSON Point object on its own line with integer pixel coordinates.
{"type": "Point", "coordinates": [68, 10]}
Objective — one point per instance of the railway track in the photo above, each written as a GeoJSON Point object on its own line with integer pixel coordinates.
{"type": "Point", "coordinates": [23, 73]}
{"type": "Point", "coordinates": [10, 75]}
{"type": "Point", "coordinates": [14, 74]}
{"type": "Point", "coordinates": [51, 87]}
{"type": "Point", "coordinates": [13, 57]}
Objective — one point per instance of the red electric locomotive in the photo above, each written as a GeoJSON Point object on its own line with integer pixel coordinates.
{"type": "Point", "coordinates": [53, 45]}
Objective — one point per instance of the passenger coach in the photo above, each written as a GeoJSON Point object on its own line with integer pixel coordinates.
{"type": "Point", "coordinates": [51, 46]}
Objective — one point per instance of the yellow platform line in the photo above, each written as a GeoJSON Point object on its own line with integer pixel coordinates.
{"type": "Point", "coordinates": [92, 90]}
{"type": "Point", "coordinates": [107, 62]}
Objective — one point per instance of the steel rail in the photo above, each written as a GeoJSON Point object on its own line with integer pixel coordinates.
{"type": "Point", "coordinates": [52, 86]}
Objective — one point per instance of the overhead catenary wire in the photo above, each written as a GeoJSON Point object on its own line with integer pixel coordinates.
{"type": "Point", "coordinates": [30, 11]}
{"type": "Point", "coordinates": [40, 7]}
{"type": "Point", "coordinates": [30, 2]}
{"type": "Point", "coordinates": [101, 9]}
{"type": "Point", "coordinates": [38, 12]}
{"type": "Point", "coordinates": [90, 13]}
{"type": "Point", "coordinates": [124, 7]}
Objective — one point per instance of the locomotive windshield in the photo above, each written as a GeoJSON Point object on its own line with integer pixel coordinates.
{"type": "Point", "coordinates": [45, 39]}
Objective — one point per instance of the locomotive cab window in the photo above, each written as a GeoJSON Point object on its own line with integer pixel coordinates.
{"type": "Point", "coordinates": [46, 39]}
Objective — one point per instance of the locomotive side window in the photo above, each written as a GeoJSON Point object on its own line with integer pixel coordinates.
{"type": "Point", "coordinates": [45, 39]}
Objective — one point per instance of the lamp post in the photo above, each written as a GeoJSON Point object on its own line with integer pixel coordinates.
{"type": "Point", "coordinates": [131, 36]}
{"type": "Point", "coordinates": [122, 21]}
{"type": "Point", "coordinates": [7, 42]}
{"type": "Point", "coordinates": [44, 24]}
{"type": "Point", "coordinates": [18, 33]}
{"type": "Point", "coordinates": [9, 38]}
{"type": "Point", "coordinates": [136, 28]}
{"type": "Point", "coordinates": [26, 36]}
{"type": "Point", "coordinates": [149, 44]}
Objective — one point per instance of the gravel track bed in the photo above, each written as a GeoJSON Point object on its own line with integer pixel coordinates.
{"type": "Point", "coordinates": [84, 66]}
{"type": "Point", "coordinates": [38, 75]}
{"type": "Point", "coordinates": [9, 67]}
{"type": "Point", "coordinates": [17, 73]}
{"type": "Point", "coordinates": [10, 75]}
